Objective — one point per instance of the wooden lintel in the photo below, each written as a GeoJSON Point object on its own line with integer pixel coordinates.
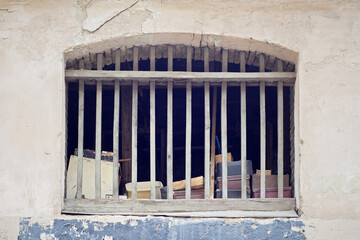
{"type": "Point", "coordinates": [162, 76]}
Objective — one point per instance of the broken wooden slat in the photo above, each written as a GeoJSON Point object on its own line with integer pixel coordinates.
{"type": "Point", "coordinates": [136, 59]}
{"type": "Point", "coordinates": [169, 162]}
{"type": "Point", "coordinates": [224, 127]}
{"type": "Point", "coordinates": [243, 128]}
{"type": "Point", "coordinates": [98, 130]}
{"type": "Point", "coordinates": [116, 140]}
{"type": "Point", "coordinates": [207, 127]}
{"type": "Point", "coordinates": [152, 58]}
{"type": "Point", "coordinates": [163, 76]}
{"type": "Point", "coordinates": [80, 136]}
{"type": "Point", "coordinates": [262, 130]}
{"type": "Point", "coordinates": [280, 97]}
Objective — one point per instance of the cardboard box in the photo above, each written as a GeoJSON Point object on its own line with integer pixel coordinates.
{"type": "Point", "coordinates": [270, 181]}
{"type": "Point", "coordinates": [218, 158]}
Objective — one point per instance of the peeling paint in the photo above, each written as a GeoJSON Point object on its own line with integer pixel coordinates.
{"type": "Point", "coordinates": [162, 228]}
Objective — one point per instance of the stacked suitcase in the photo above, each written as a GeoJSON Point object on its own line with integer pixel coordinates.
{"type": "Point", "coordinates": [234, 179]}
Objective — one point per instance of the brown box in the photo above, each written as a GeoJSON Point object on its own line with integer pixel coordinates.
{"type": "Point", "coordinates": [270, 181]}
{"type": "Point", "coordinates": [218, 158]}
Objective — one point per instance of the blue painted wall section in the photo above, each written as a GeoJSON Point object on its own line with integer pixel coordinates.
{"type": "Point", "coordinates": [162, 228]}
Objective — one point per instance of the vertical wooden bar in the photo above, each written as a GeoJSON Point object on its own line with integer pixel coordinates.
{"type": "Point", "coordinates": [116, 129]}
{"type": "Point", "coordinates": [262, 130]}
{"type": "Point", "coordinates": [80, 136]}
{"type": "Point", "coordinates": [116, 140]}
{"type": "Point", "coordinates": [243, 128]}
{"type": "Point", "coordinates": [207, 127]}
{"type": "Point", "coordinates": [98, 130]}
{"type": "Point", "coordinates": [134, 127]}
{"type": "Point", "coordinates": [213, 134]}
{"type": "Point", "coordinates": [188, 129]}
{"type": "Point", "coordinates": [280, 97]}
{"type": "Point", "coordinates": [224, 127]}
{"type": "Point", "coordinates": [152, 127]}
{"type": "Point", "coordinates": [169, 162]}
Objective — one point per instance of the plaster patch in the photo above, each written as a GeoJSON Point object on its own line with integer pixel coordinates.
{"type": "Point", "coordinates": [100, 12]}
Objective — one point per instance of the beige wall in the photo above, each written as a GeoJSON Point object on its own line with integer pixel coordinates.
{"type": "Point", "coordinates": [34, 35]}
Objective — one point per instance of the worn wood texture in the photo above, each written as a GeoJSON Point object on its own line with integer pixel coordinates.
{"type": "Point", "coordinates": [188, 141]}
{"type": "Point", "coordinates": [80, 140]}
{"type": "Point", "coordinates": [212, 148]}
{"type": "Point", "coordinates": [169, 150]}
{"type": "Point", "coordinates": [280, 123]}
{"type": "Point", "coordinates": [152, 140]}
{"type": "Point", "coordinates": [243, 126]}
{"type": "Point", "coordinates": [206, 128]}
{"type": "Point", "coordinates": [262, 130]}
{"type": "Point", "coordinates": [116, 140]}
{"type": "Point", "coordinates": [98, 130]}
{"type": "Point", "coordinates": [224, 126]}
{"type": "Point", "coordinates": [119, 206]}
{"type": "Point", "coordinates": [134, 129]}
{"type": "Point", "coordinates": [163, 76]}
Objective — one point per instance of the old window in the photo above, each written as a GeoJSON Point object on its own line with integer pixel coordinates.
{"type": "Point", "coordinates": [165, 114]}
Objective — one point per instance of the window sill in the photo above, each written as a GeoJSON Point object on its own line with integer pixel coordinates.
{"type": "Point", "coordinates": [230, 208]}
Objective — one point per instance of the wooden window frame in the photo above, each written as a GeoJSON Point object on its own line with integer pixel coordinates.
{"type": "Point", "coordinates": [262, 207]}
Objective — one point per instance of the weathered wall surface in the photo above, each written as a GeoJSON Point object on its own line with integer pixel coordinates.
{"type": "Point", "coordinates": [35, 34]}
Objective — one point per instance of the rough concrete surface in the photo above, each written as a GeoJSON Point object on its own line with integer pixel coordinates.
{"type": "Point", "coordinates": [323, 37]}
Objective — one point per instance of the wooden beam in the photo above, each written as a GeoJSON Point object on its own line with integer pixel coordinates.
{"type": "Point", "coordinates": [213, 134]}
{"type": "Point", "coordinates": [152, 127]}
{"type": "Point", "coordinates": [152, 58]}
{"type": "Point", "coordinates": [98, 130]}
{"type": "Point", "coordinates": [280, 97]}
{"type": "Point", "coordinates": [207, 128]}
{"type": "Point", "coordinates": [262, 130]}
{"type": "Point", "coordinates": [169, 162]}
{"type": "Point", "coordinates": [119, 206]}
{"type": "Point", "coordinates": [80, 135]}
{"type": "Point", "coordinates": [243, 128]}
{"type": "Point", "coordinates": [188, 128]}
{"type": "Point", "coordinates": [163, 76]}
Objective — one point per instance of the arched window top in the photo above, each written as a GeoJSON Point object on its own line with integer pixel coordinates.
{"type": "Point", "coordinates": [252, 49]}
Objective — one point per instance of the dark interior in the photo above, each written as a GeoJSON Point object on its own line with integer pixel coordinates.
{"type": "Point", "coordinates": [179, 119]}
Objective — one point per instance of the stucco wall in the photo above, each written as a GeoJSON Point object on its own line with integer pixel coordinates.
{"type": "Point", "coordinates": [34, 35]}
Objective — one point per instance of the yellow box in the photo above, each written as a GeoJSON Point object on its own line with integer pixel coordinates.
{"type": "Point", "coordinates": [218, 158]}
{"type": "Point", "coordinates": [144, 191]}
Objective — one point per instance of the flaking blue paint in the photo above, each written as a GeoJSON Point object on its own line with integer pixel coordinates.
{"type": "Point", "coordinates": [162, 228]}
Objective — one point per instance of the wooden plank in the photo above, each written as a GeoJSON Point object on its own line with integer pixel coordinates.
{"type": "Point", "coordinates": [207, 128]}
{"type": "Point", "coordinates": [224, 126]}
{"type": "Point", "coordinates": [262, 130]}
{"type": "Point", "coordinates": [98, 130]}
{"type": "Point", "coordinates": [196, 183]}
{"type": "Point", "coordinates": [116, 140]}
{"type": "Point", "coordinates": [80, 136]}
{"type": "Point", "coordinates": [280, 97]}
{"type": "Point", "coordinates": [152, 140]}
{"type": "Point", "coordinates": [213, 134]}
{"type": "Point", "coordinates": [169, 150]}
{"type": "Point", "coordinates": [119, 206]}
{"type": "Point", "coordinates": [134, 126]}
{"type": "Point", "coordinates": [243, 127]}
{"type": "Point", "coordinates": [163, 76]}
